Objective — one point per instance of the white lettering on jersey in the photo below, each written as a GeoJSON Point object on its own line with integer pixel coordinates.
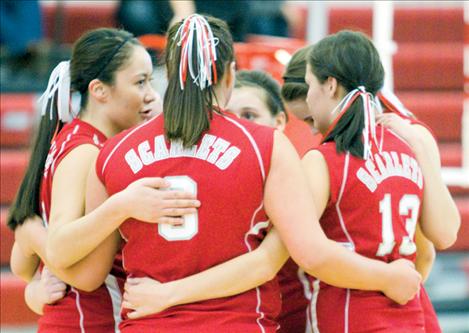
{"type": "Point", "coordinates": [375, 172]}
{"type": "Point", "coordinates": [161, 151]}
{"type": "Point", "coordinates": [212, 149]}
{"type": "Point", "coordinates": [145, 154]}
{"type": "Point", "coordinates": [133, 161]}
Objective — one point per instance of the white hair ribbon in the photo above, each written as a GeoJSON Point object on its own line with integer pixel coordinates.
{"type": "Point", "coordinates": [369, 129]}
{"type": "Point", "coordinates": [196, 26]}
{"type": "Point", "coordinates": [59, 81]}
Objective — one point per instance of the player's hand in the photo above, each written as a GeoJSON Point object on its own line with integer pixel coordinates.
{"type": "Point", "coordinates": [145, 296]}
{"type": "Point", "coordinates": [398, 125]}
{"type": "Point", "coordinates": [150, 200]}
{"type": "Point", "coordinates": [50, 289]}
{"type": "Point", "coordinates": [404, 283]}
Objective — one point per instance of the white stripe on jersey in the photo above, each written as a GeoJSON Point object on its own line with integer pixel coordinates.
{"type": "Point", "coordinates": [337, 205]}
{"type": "Point", "coordinates": [116, 299]}
{"type": "Point", "coordinates": [253, 144]}
{"type": "Point", "coordinates": [80, 311]}
{"type": "Point", "coordinates": [351, 244]}
{"type": "Point", "coordinates": [314, 300]}
{"type": "Point", "coordinates": [347, 303]}
{"type": "Point", "coordinates": [44, 216]}
{"type": "Point", "coordinates": [62, 148]}
{"type": "Point", "coordinates": [123, 139]}
{"type": "Point", "coordinates": [260, 225]}
{"type": "Point", "coordinates": [246, 242]}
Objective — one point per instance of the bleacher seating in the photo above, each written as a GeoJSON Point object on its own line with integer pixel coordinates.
{"type": "Point", "coordinates": [428, 69]}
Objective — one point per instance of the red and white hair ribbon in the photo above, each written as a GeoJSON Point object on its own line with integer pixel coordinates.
{"type": "Point", "coordinates": [59, 81]}
{"type": "Point", "coordinates": [369, 129]}
{"type": "Point", "coordinates": [196, 27]}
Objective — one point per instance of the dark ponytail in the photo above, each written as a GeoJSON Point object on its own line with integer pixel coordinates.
{"type": "Point", "coordinates": [187, 112]}
{"type": "Point", "coordinates": [351, 58]}
{"type": "Point", "coordinates": [97, 54]}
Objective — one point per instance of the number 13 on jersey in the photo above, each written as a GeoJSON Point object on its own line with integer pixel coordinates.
{"type": "Point", "coordinates": [190, 227]}
{"type": "Point", "coordinates": [409, 204]}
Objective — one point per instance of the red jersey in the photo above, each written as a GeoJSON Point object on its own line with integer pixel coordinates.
{"type": "Point", "coordinates": [431, 319]}
{"type": "Point", "coordinates": [293, 282]}
{"type": "Point", "coordinates": [227, 169]}
{"type": "Point", "coordinates": [373, 209]}
{"type": "Point", "coordinates": [78, 311]}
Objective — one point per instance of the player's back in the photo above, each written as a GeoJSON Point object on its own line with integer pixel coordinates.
{"type": "Point", "coordinates": [226, 169]}
{"type": "Point", "coordinates": [373, 209]}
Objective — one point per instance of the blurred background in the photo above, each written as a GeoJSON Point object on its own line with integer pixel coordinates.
{"type": "Point", "coordinates": [424, 46]}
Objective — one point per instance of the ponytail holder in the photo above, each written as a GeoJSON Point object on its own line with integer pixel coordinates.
{"type": "Point", "coordinates": [369, 128]}
{"type": "Point", "coordinates": [59, 82]}
{"type": "Point", "coordinates": [196, 27]}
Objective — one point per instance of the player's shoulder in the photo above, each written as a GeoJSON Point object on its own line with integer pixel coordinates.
{"type": "Point", "coordinates": [121, 138]}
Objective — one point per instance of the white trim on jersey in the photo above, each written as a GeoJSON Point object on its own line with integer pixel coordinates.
{"type": "Point", "coordinates": [314, 300]}
{"type": "Point", "coordinates": [80, 311]}
{"type": "Point", "coordinates": [62, 148]}
{"type": "Point", "coordinates": [246, 242]}
{"type": "Point", "coordinates": [123, 139]}
{"type": "Point", "coordinates": [347, 305]}
{"type": "Point", "coordinates": [350, 246]}
{"type": "Point", "coordinates": [44, 216]}
{"type": "Point", "coordinates": [260, 225]}
{"type": "Point", "coordinates": [337, 205]}
{"type": "Point", "coordinates": [253, 144]}
{"type": "Point", "coordinates": [300, 273]}
{"type": "Point", "coordinates": [305, 283]}
{"type": "Point", "coordinates": [116, 299]}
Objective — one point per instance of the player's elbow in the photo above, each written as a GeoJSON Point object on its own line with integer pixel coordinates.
{"type": "Point", "coordinates": [445, 241]}
{"type": "Point", "coordinates": [447, 236]}
{"type": "Point", "coordinates": [55, 259]}
{"type": "Point", "coordinates": [312, 264]}
{"type": "Point", "coordinates": [21, 272]}
{"type": "Point", "coordinates": [87, 283]}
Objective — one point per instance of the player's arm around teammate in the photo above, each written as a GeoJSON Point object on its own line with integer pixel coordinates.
{"type": "Point", "coordinates": [256, 97]}
{"type": "Point", "coordinates": [440, 217]}
{"type": "Point", "coordinates": [67, 202]}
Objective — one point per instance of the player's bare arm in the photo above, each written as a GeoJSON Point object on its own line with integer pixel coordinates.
{"type": "Point", "coordinates": [146, 296]}
{"type": "Point", "coordinates": [77, 235]}
{"type": "Point", "coordinates": [287, 201]}
{"type": "Point", "coordinates": [440, 217]}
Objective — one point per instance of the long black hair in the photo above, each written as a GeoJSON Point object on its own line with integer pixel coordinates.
{"type": "Point", "coordinates": [352, 59]}
{"type": "Point", "coordinates": [187, 112]}
{"type": "Point", "coordinates": [98, 54]}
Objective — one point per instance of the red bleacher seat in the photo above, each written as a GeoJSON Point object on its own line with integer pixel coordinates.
{"type": "Point", "coordinates": [428, 66]}
{"type": "Point", "coordinates": [18, 114]}
{"type": "Point", "coordinates": [14, 309]}
{"type": "Point", "coordinates": [462, 243]}
{"type": "Point", "coordinates": [437, 109]}
{"type": "Point", "coordinates": [68, 21]}
{"type": "Point", "coordinates": [450, 153]}
{"type": "Point", "coordinates": [7, 238]}
{"type": "Point", "coordinates": [410, 24]}
{"type": "Point", "coordinates": [13, 165]}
